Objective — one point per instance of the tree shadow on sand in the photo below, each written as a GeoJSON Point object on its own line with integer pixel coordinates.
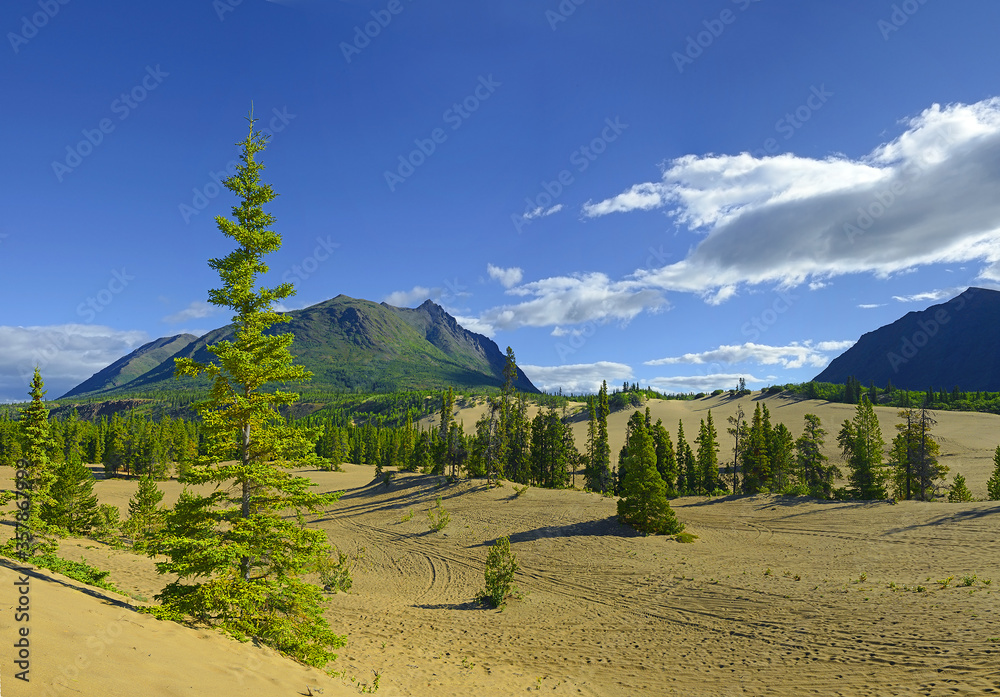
{"type": "Point", "coordinates": [606, 527]}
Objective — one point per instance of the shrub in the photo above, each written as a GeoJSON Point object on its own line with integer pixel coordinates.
{"type": "Point", "coordinates": [335, 574]}
{"type": "Point", "coordinates": [959, 491]}
{"type": "Point", "coordinates": [501, 565]}
{"type": "Point", "coordinates": [109, 524]}
{"type": "Point", "coordinates": [439, 517]}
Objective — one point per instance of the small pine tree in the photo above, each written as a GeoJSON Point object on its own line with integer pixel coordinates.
{"type": "Point", "coordinates": [993, 484]}
{"type": "Point", "coordinates": [501, 565]}
{"type": "Point", "coordinates": [959, 491]}
{"type": "Point", "coordinates": [145, 517]}
{"type": "Point", "coordinates": [74, 504]}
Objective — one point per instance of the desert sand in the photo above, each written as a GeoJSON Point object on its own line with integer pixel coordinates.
{"type": "Point", "coordinates": [777, 596]}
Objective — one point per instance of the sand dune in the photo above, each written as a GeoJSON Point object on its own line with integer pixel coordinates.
{"type": "Point", "coordinates": [777, 596]}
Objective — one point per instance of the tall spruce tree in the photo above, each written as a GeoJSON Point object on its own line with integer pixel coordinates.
{"type": "Point", "coordinates": [708, 456]}
{"type": "Point", "coordinates": [33, 510]}
{"type": "Point", "coordinates": [739, 432]}
{"type": "Point", "coordinates": [813, 470]}
{"type": "Point", "coordinates": [756, 465]}
{"type": "Point", "coordinates": [643, 503]}
{"type": "Point", "coordinates": [666, 457]}
{"type": "Point", "coordinates": [237, 557]}
{"type": "Point", "coordinates": [862, 446]}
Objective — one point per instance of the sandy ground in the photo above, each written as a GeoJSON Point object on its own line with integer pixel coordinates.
{"type": "Point", "coordinates": [776, 596]}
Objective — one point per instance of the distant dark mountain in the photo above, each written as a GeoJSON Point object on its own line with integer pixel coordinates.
{"type": "Point", "coordinates": [956, 343]}
{"type": "Point", "coordinates": [354, 345]}
{"type": "Point", "coordinates": [134, 365]}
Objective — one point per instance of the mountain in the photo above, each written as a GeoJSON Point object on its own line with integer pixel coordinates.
{"type": "Point", "coordinates": [134, 365]}
{"type": "Point", "coordinates": [956, 343]}
{"type": "Point", "coordinates": [350, 344]}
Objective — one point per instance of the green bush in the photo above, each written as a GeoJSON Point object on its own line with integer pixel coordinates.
{"type": "Point", "coordinates": [439, 517]}
{"type": "Point", "coordinates": [501, 565]}
{"type": "Point", "coordinates": [335, 570]}
{"type": "Point", "coordinates": [959, 491]}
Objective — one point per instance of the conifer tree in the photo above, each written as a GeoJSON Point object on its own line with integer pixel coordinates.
{"type": "Point", "coordinates": [993, 483]}
{"type": "Point", "coordinates": [36, 442]}
{"type": "Point", "coordinates": [238, 561]}
{"type": "Point", "coordinates": [644, 503]}
{"type": "Point", "coordinates": [666, 458]}
{"type": "Point", "coordinates": [756, 464]}
{"type": "Point", "coordinates": [708, 456]}
{"type": "Point", "coordinates": [813, 470]}
{"type": "Point", "coordinates": [862, 446]}
{"type": "Point", "coordinates": [959, 491]}
{"type": "Point", "coordinates": [782, 458]}
{"type": "Point", "coordinates": [145, 517]}
{"type": "Point", "coordinates": [739, 433]}
{"type": "Point", "coordinates": [73, 503]}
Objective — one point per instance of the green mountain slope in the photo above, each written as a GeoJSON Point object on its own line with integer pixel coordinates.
{"type": "Point", "coordinates": [352, 344]}
{"type": "Point", "coordinates": [134, 365]}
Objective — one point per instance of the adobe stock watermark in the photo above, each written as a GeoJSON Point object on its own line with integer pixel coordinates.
{"type": "Point", "coordinates": [310, 264]}
{"type": "Point", "coordinates": [563, 12]}
{"type": "Point", "coordinates": [122, 106]}
{"type": "Point", "coordinates": [697, 44]}
{"type": "Point", "coordinates": [203, 195]}
{"type": "Point", "coordinates": [909, 346]}
{"type": "Point", "coordinates": [224, 7]}
{"type": "Point", "coordinates": [365, 34]}
{"type": "Point", "coordinates": [97, 644]}
{"type": "Point", "coordinates": [759, 324]}
{"type": "Point", "coordinates": [900, 15]}
{"type": "Point", "coordinates": [31, 25]}
{"type": "Point", "coordinates": [544, 202]}
{"type": "Point", "coordinates": [884, 199]}
{"type": "Point", "coordinates": [454, 116]}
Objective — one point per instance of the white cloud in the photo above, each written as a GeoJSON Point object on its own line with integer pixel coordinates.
{"type": "Point", "coordinates": [702, 383]}
{"type": "Point", "coordinates": [474, 324]}
{"type": "Point", "coordinates": [792, 356]}
{"type": "Point", "coordinates": [542, 212]}
{"type": "Point", "coordinates": [929, 196]}
{"type": "Point", "coordinates": [66, 354]}
{"type": "Point", "coordinates": [574, 299]}
{"type": "Point", "coordinates": [871, 306]}
{"type": "Point", "coordinates": [416, 296]}
{"type": "Point", "coordinates": [582, 378]}
{"type": "Point", "coordinates": [931, 295]}
{"type": "Point", "coordinates": [816, 285]}
{"type": "Point", "coordinates": [198, 309]}
{"type": "Point", "coordinates": [507, 277]}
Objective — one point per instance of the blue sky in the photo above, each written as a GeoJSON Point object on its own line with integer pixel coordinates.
{"type": "Point", "coordinates": [677, 194]}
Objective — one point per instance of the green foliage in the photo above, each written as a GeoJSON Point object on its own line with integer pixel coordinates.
{"type": "Point", "coordinates": [644, 503]}
{"type": "Point", "coordinates": [243, 552]}
{"type": "Point", "coordinates": [34, 511]}
{"type": "Point", "coordinates": [73, 504]}
{"type": "Point", "coordinates": [108, 526]}
{"type": "Point", "coordinates": [501, 565]}
{"type": "Point", "coordinates": [685, 537]}
{"type": "Point", "coordinates": [438, 517]}
{"type": "Point", "coordinates": [862, 447]}
{"type": "Point", "coordinates": [145, 516]}
{"type": "Point", "coordinates": [959, 491]}
{"type": "Point", "coordinates": [77, 570]}
{"type": "Point", "coordinates": [993, 483]}
{"type": "Point", "coordinates": [335, 570]}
